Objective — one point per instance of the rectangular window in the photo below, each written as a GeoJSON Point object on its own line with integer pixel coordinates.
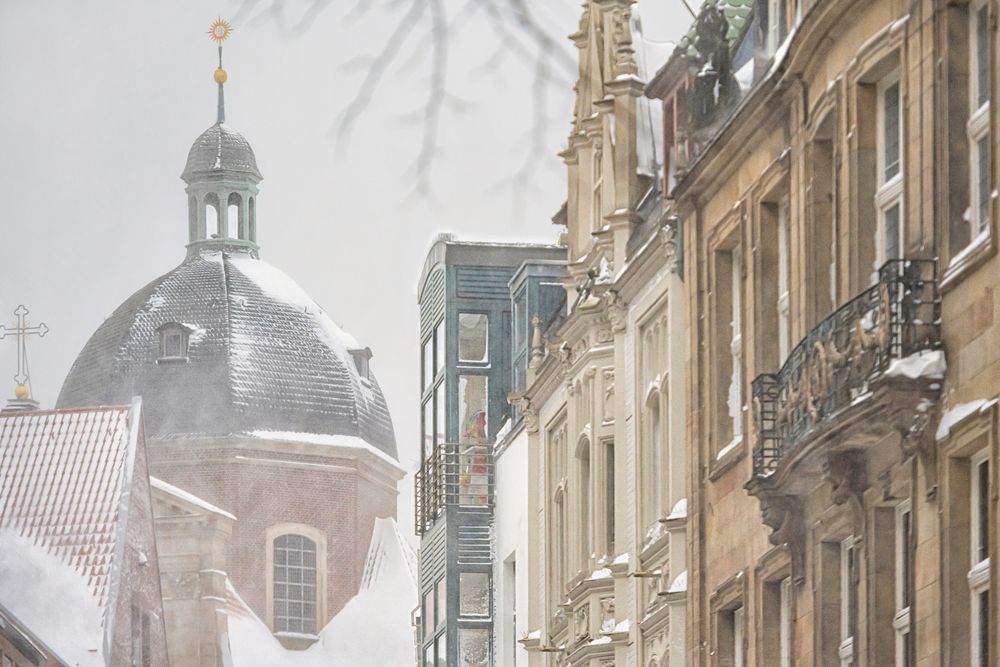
{"type": "Point", "coordinates": [428, 429]}
{"type": "Point", "coordinates": [738, 619]}
{"type": "Point", "coordinates": [439, 348]}
{"type": "Point", "coordinates": [473, 399]}
{"type": "Point", "coordinates": [735, 401]}
{"type": "Point", "coordinates": [429, 655]}
{"type": "Point", "coordinates": [785, 623]}
{"type": "Point", "coordinates": [903, 573]}
{"type": "Point", "coordinates": [727, 351]}
{"type": "Point", "coordinates": [474, 594]}
{"type": "Point", "coordinates": [978, 126]}
{"type": "Point", "coordinates": [775, 25]}
{"type": "Point", "coordinates": [427, 363]}
{"type": "Point", "coordinates": [294, 576]}
{"type": "Point", "coordinates": [609, 497]}
{"type": "Point", "coordinates": [172, 344]}
{"type": "Point", "coordinates": [848, 600]}
{"type": "Point", "coordinates": [427, 611]}
{"type": "Point", "coordinates": [889, 197]}
{"type": "Point", "coordinates": [442, 650]}
{"type": "Point", "coordinates": [979, 572]}
{"type": "Point", "coordinates": [474, 647]}
{"type": "Point", "coordinates": [440, 603]}
{"type": "Point", "coordinates": [783, 305]}
{"type": "Point", "coordinates": [440, 424]}
{"type": "Point", "coordinates": [473, 338]}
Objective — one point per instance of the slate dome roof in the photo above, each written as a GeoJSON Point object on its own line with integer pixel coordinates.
{"type": "Point", "coordinates": [220, 148]}
{"type": "Point", "coordinates": [261, 356]}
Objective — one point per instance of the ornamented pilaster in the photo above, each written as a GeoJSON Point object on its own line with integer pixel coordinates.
{"type": "Point", "coordinates": [616, 309]}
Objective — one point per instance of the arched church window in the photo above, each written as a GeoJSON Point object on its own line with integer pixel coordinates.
{"type": "Point", "coordinates": [213, 213]}
{"type": "Point", "coordinates": [174, 340]}
{"type": "Point", "coordinates": [234, 216]}
{"type": "Point", "coordinates": [295, 584]}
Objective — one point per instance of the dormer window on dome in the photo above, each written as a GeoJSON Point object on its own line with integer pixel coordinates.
{"type": "Point", "coordinates": [174, 339]}
{"type": "Point", "coordinates": [362, 361]}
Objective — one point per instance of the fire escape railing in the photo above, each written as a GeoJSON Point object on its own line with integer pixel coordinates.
{"type": "Point", "coordinates": [455, 475]}
{"type": "Point", "coordinates": [835, 364]}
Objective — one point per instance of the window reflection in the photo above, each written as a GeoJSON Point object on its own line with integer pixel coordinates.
{"type": "Point", "coordinates": [473, 334]}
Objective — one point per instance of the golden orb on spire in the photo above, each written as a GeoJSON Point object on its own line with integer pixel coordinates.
{"type": "Point", "coordinates": [220, 30]}
{"type": "Point", "coordinates": [220, 75]}
{"type": "Point", "coordinates": [21, 392]}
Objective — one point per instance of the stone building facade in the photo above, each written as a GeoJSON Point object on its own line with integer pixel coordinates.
{"type": "Point", "coordinates": [832, 166]}
{"type": "Point", "coordinates": [605, 398]}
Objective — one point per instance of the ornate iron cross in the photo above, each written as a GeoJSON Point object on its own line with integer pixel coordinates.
{"type": "Point", "coordinates": [21, 331]}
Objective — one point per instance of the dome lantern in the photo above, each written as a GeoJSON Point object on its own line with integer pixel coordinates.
{"type": "Point", "coordinates": [222, 176]}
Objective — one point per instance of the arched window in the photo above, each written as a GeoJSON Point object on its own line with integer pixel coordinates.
{"type": "Point", "coordinates": [213, 213]}
{"type": "Point", "coordinates": [294, 584]}
{"type": "Point", "coordinates": [192, 219]}
{"type": "Point", "coordinates": [253, 220]}
{"type": "Point", "coordinates": [234, 216]}
{"type": "Point", "coordinates": [296, 581]}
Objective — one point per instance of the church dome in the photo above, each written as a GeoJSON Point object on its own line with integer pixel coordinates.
{"type": "Point", "coordinates": [226, 343]}
{"type": "Point", "coordinates": [219, 149]}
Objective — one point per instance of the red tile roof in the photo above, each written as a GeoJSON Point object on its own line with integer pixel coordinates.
{"type": "Point", "coordinates": [62, 477]}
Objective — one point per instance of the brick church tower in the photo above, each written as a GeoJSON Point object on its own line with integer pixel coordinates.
{"type": "Point", "coordinates": [254, 401]}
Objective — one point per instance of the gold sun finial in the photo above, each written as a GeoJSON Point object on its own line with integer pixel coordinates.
{"type": "Point", "coordinates": [220, 30]}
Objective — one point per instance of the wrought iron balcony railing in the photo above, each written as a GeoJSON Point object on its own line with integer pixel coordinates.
{"type": "Point", "coordinates": [835, 365]}
{"type": "Point", "coordinates": [456, 475]}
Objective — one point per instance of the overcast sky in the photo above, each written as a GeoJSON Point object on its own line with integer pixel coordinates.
{"type": "Point", "coordinates": [102, 99]}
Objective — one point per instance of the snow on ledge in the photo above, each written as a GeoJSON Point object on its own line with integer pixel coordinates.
{"type": "Point", "coordinates": [679, 584]}
{"type": "Point", "coordinates": [326, 440]}
{"type": "Point", "coordinates": [603, 573]}
{"type": "Point", "coordinates": [160, 485]}
{"type": "Point", "coordinates": [680, 510]}
{"type": "Point", "coordinates": [958, 414]}
{"type": "Point", "coordinates": [928, 364]}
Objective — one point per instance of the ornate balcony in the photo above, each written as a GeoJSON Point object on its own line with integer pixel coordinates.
{"type": "Point", "coordinates": [455, 476]}
{"type": "Point", "coordinates": [862, 371]}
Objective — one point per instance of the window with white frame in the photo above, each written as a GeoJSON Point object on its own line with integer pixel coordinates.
{"type": "Point", "coordinates": [735, 401]}
{"type": "Point", "coordinates": [785, 622]}
{"type": "Point", "coordinates": [889, 196]}
{"type": "Point", "coordinates": [784, 324]}
{"type": "Point", "coordinates": [739, 660]}
{"type": "Point", "coordinates": [979, 571]}
{"type": "Point", "coordinates": [775, 25]}
{"type": "Point", "coordinates": [978, 126]}
{"type": "Point", "coordinates": [848, 599]}
{"type": "Point", "coordinates": [903, 590]}
{"type": "Point", "coordinates": [294, 584]}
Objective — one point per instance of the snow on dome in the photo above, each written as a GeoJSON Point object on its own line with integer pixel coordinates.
{"type": "Point", "coordinates": [31, 580]}
{"type": "Point", "coordinates": [220, 148]}
{"type": "Point", "coordinates": [265, 357]}
{"type": "Point", "coordinates": [373, 628]}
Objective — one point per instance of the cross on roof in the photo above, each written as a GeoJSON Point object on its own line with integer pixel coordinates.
{"type": "Point", "coordinates": [21, 331]}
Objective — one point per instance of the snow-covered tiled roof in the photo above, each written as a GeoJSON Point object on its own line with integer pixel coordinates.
{"type": "Point", "coordinates": [220, 148]}
{"type": "Point", "coordinates": [62, 477]}
{"type": "Point", "coordinates": [265, 357]}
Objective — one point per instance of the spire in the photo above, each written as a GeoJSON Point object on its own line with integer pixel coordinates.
{"type": "Point", "coordinates": [220, 77]}
{"type": "Point", "coordinates": [219, 32]}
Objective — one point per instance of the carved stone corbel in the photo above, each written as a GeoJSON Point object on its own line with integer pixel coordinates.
{"type": "Point", "coordinates": [616, 310]}
{"type": "Point", "coordinates": [528, 412]}
{"type": "Point", "coordinates": [783, 515]}
{"type": "Point", "coordinates": [918, 440]}
{"type": "Point", "coordinates": [847, 473]}
{"type": "Point", "coordinates": [668, 237]}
